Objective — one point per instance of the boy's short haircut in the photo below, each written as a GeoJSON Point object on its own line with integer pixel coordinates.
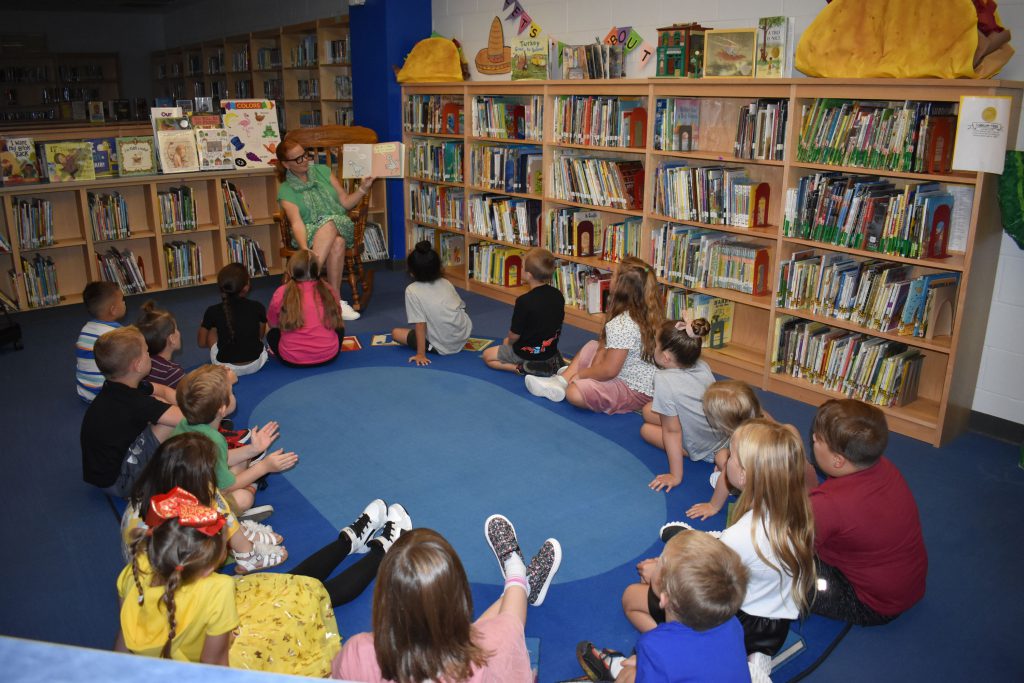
{"type": "Point", "coordinates": [854, 429]}
{"type": "Point", "coordinates": [540, 263]}
{"type": "Point", "coordinates": [116, 350]}
{"type": "Point", "coordinates": [202, 392]}
{"type": "Point", "coordinates": [97, 295]}
{"type": "Point", "coordinates": [705, 580]}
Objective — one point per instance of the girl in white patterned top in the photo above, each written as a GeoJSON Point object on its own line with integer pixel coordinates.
{"type": "Point", "coordinates": [616, 373]}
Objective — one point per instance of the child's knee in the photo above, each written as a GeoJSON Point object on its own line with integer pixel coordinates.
{"type": "Point", "coordinates": [650, 417]}
{"type": "Point", "coordinates": [634, 598]}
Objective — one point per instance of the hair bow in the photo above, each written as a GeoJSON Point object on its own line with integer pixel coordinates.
{"type": "Point", "coordinates": [684, 325]}
{"type": "Point", "coordinates": [179, 503]}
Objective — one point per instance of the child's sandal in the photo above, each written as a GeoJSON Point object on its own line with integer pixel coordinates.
{"type": "Point", "coordinates": [260, 533]}
{"type": "Point", "coordinates": [260, 557]}
{"type": "Point", "coordinates": [596, 663]}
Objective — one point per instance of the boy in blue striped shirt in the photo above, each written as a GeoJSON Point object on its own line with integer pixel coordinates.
{"type": "Point", "coordinates": [105, 304]}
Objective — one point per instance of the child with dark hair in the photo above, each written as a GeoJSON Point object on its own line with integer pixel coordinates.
{"type": "Point", "coordinates": [675, 420]}
{"type": "Point", "coordinates": [700, 585]}
{"type": "Point", "coordinates": [438, 313]}
{"type": "Point", "coordinates": [175, 605]}
{"type": "Point", "coordinates": [869, 551]}
{"type": "Point", "coordinates": [531, 347]}
{"type": "Point", "coordinates": [307, 328]}
{"type": "Point", "coordinates": [163, 339]}
{"type": "Point", "coordinates": [423, 610]}
{"type": "Point", "coordinates": [105, 303]}
{"type": "Point", "coordinates": [234, 329]}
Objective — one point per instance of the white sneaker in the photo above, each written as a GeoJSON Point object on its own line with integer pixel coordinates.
{"type": "Point", "coordinates": [347, 312]}
{"type": "Point", "coordinates": [551, 388]}
{"type": "Point", "coordinates": [398, 522]}
{"type": "Point", "coordinates": [366, 525]}
{"type": "Point", "coordinates": [713, 479]}
{"type": "Point", "coordinates": [257, 514]}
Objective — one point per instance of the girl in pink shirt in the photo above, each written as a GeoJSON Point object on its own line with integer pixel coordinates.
{"type": "Point", "coordinates": [422, 609]}
{"type": "Point", "coordinates": [304, 315]}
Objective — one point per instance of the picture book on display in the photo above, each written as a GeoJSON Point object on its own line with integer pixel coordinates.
{"type": "Point", "coordinates": [18, 161]}
{"type": "Point", "coordinates": [67, 161]}
{"type": "Point", "coordinates": [775, 44]}
{"type": "Point", "coordinates": [252, 131]}
{"type": "Point", "coordinates": [729, 52]}
{"type": "Point", "coordinates": [104, 156]}
{"type": "Point", "coordinates": [529, 58]}
{"type": "Point", "coordinates": [215, 150]}
{"type": "Point", "coordinates": [176, 145]}
{"type": "Point", "coordinates": [381, 160]}
{"type": "Point", "coordinates": [136, 156]}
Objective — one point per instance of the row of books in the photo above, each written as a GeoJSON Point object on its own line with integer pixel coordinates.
{"type": "Point", "coordinates": [375, 245]}
{"type": "Point", "coordinates": [336, 51]}
{"type": "Point", "coordinates": [40, 277]}
{"type": "Point", "coordinates": [864, 212]}
{"type": "Point", "coordinates": [680, 305]}
{"type": "Point", "coordinates": [342, 87]}
{"type": "Point", "coordinates": [909, 136]}
{"type": "Point", "coordinates": [718, 195]}
{"type": "Point", "coordinates": [703, 258]}
{"type": "Point", "coordinates": [509, 219]}
{"type": "Point", "coordinates": [495, 264]}
{"type": "Point", "coordinates": [124, 268]}
{"type": "Point", "coordinates": [433, 114]}
{"type": "Point", "coordinates": [871, 369]}
{"type": "Point", "coordinates": [268, 58]}
{"type": "Point", "coordinates": [240, 59]}
{"type": "Point", "coordinates": [592, 180]}
{"type": "Point", "coordinates": [437, 160]}
{"type": "Point", "coordinates": [308, 88]}
{"type": "Point", "coordinates": [583, 287]}
{"type": "Point", "coordinates": [438, 205]}
{"type": "Point", "coordinates": [108, 214]}
{"type": "Point", "coordinates": [236, 211]}
{"type": "Point", "coordinates": [247, 251]}
{"type": "Point", "coordinates": [586, 62]}
{"type": "Point", "coordinates": [184, 262]}
{"type": "Point", "coordinates": [600, 121]}
{"type": "Point", "coordinates": [572, 232]}
{"type": "Point", "coordinates": [761, 131]}
{"type": "Point", "coordinates": [33, 219]}
{"type": "Point", "coordinates": [878, 295]}
{"type": "Point", "coordinates": [511, 168]}
{"type": "Point", "coordinates": [304, 52]}
{"type": "Point", "coordinates": [177, 206]}
{"type": "Point", "coordinates": [509, 118]}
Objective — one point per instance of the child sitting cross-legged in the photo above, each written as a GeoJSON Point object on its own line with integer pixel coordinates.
{"type": "Point", "coordinates": [205, 397]}
{"type": "Point", "coordinates": [105, 303]}
{"type": "Point", "coordinates": [163, 339]}
{"type": "Point", "coordinates": [129, 417]}
{"type": "Point", "coordinates": [869, 551]}
{"type": "Point", "coordinates": [531, 347]}
{"type": "Point", "coordinates": [700, 585]}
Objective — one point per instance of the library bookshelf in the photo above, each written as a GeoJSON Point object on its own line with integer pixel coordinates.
{"type": "Point", "coordinates": [75, 247]}
{"type": "Point", "coordinates": [948, 366]}
{"type": "Point", "coordinates": [306, 68]}
{"type": "Point", "coordinates": [40, 86]}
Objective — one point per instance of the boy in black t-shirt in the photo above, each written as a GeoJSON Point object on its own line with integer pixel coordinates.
{"type": "Point", "coordinates": [129, 418]}
{"type": "Point", "coordinates": [531, 347]}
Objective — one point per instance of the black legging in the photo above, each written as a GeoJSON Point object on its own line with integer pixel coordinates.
{"type": "Point", "coordinates": [348, 585]}
{"type": "Point", "coordinates": [839, 599]}
{"type": "Point", "coordinates": [274, 340]}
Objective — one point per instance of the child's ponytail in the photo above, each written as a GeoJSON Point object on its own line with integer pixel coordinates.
{"type": "Point", "coordinates": [683, 339]}
{"type": "Point", "coordinates": [303, 267]}
{"type": "Point", "coordinates": [232, 280]}
{"type": "Point", "coordinates": [173, 581]}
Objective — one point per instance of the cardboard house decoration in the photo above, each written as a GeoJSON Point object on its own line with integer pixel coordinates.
{"type": "Point", "coordinates": [681, 50]}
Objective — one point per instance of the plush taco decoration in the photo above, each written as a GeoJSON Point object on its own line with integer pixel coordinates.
{"type": "Point", "coordinates": [432, 60]}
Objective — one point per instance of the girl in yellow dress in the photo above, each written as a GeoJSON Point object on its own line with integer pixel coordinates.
{"type": "Point", "coordinates": [175, 605]}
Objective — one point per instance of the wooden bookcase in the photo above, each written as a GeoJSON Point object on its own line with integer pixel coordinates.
{"type": "Point", "coordinates": [950, 368]}
{"type": "Point", "coordinates": [35, 86]}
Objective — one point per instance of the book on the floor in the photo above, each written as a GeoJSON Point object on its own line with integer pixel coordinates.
{"type": "Point", "coordinates": [533, 649]}
{"type": "Point", "coordinates": [793, 646]}
{"type": "Point", "coordinates": [351, 343]}
{"type": "Point", "coordinates": [383, 340]}
{"type": "Point", "coordinates": [475, 344]}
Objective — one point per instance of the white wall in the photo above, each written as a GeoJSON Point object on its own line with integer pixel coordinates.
{"type": "Point", "coordinates": [1000, 389]}
{"type": "Point", "coordinates": [132, 36]}
{"type": "Point", "coordinates": [194, 23]}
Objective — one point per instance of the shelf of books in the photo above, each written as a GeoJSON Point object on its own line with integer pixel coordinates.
{"type": "Point", "coordinates": [45, 86]}
{"type": "Point", "coordinates": [306, 68]}
{"type": "Point", "coordinates": [145, 232]}
{"type": "Point", "coordinates": [816, 223]}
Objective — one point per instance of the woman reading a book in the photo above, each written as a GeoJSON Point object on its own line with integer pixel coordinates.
{"type": "Point", "coordinates": [316, 206]}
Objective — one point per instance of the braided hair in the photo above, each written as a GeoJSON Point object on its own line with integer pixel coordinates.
{"type": "Point", "coordinates": [231, 281]}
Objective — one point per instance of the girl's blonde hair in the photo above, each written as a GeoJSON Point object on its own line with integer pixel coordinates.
{"type": "Point", "coordinates": [728, 404]}
{"type": "Point", "coordinates": [304, 267]}
{"type": "Point", "coordinates": [773, 460]}
{"type": "Point", "coordinates": [636, 293]}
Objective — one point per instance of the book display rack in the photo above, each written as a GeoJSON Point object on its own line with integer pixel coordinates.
{"type": "Point", "coordinates": [816, 221]}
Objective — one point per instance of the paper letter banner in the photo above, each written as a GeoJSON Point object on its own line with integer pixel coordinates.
{"type": "Point", "coordinates": [534, 29]}
{"type": "Point", "coordinates": [516, 11]}
{"type": "Point", "coordinates": [611, 38]}
{"type": "Point", "coordinates": [632, 41]}
{"type": "Point", "coordinates": [981, 131]}
{"type": "Point", "coordinates": [508, 3]}
{"type": "Point", "coordinates": [524, 22]}
{"type": "Point", "coordinates": [646, 52]}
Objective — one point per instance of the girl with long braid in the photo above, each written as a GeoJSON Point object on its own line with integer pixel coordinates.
{"type": "Point", "coordinates": [234, 329]}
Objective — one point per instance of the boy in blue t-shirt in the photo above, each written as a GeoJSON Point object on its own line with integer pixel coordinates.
{"type": "Point", "coordinates": [700, 583]}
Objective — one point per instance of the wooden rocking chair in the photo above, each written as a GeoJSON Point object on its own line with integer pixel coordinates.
{"type": "Point", "coordinates": [327, 142]}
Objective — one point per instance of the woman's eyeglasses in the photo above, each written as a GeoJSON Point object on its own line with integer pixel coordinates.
{"type": "Point", "coordinates": [305, 156]}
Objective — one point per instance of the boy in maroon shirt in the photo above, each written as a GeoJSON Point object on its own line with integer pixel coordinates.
{"type": "Point", "coordinates": [869, 553]}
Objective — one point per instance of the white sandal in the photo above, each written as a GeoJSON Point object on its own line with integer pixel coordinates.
{"type": "Point", "coordinates": [261, 556]}
{"type": "Point", "coordinates": [260, 533]}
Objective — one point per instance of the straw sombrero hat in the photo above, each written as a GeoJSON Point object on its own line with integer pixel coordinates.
{"type": "Point", "coordinates": [496, 58]}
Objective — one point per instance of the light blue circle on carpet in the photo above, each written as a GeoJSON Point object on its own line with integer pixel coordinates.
{"type": "Point", "coordinates": [455, 449]}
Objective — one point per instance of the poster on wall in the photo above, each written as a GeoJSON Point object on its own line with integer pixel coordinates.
{"type": "Point", "coordinates": [252, 130]}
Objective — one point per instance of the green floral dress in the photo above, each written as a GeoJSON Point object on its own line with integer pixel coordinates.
{"type": "Point", "coordinates": [318, 203]}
